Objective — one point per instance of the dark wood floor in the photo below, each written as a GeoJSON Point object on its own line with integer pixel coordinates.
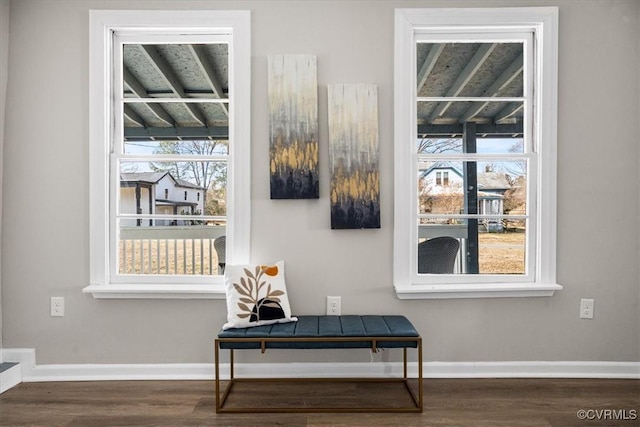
{"type": "Point", "coordinates": [464, 402]}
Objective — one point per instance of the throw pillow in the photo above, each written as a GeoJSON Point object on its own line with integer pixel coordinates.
{"type": "Point", "coordinates": [256, 295]}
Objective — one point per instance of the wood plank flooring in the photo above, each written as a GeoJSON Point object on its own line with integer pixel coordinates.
{"type": "Point", "coordinates": [448, 402]}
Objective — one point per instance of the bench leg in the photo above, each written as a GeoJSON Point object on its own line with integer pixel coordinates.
{"type": "Point", "coordinates": [420, 373]}
{"type": "Point", "coordinates": [220, 400]}
{"type": "Point", "coordinates": [404, 350]}
{"type": "Point", "coordinates": [216, 355]}
{"type": "Point", "coordinates": [417, 397]}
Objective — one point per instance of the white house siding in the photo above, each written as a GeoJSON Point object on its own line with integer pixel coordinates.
{"type": "Point", "coordinates": [128, 204]}
{"type": "Point", "coordinates": [454, 186]}
{"type": "Point", "coordinates": [167, 198]}
{"type": "Point", "coordinates": [176, 193]}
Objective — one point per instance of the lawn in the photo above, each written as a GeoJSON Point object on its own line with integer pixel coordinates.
{"type": "Point", "coordinates": [168, 256]}
{"type": "Point", "coordinates": [502, 253]}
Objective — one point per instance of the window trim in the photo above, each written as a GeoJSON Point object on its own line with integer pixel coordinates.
{"type": "Point", "coordinates": [103, 23]}
{"type": "Point", "coordinates": [542, 20]}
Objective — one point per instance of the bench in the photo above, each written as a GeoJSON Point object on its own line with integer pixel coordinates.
{"type": "Point", "coordinates": [322, 332]}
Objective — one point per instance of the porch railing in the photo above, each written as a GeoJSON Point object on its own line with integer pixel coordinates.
{"type": "Point", "coordinates": [179, 250]}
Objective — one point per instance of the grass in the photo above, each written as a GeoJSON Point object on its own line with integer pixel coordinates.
{"type": "Point", "coordinates": [501, 253]}
{"type": "Point", "coordinates": [168, 256]}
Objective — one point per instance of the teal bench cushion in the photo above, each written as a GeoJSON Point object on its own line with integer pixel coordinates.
{"type": "Point", "coordinates": [322, 329]}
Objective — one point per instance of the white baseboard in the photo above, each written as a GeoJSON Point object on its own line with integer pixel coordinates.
{"type": "Point", "coordinates": [31, 372]}
{"type": "Point", "coordinates": [10, 378]}
{"type": "Point", "coordinates": [533, 369]}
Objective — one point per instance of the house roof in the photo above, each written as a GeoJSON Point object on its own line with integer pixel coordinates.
{"type": "Point", "coordinates": [154, 178]}
{"type": "Point", "coordinates": [148, 177]}
{"type": "Point", "coordinates": [493, 181]}
{"type": "Point", "coordinates": [186, 184]}
{"type": "Point", "coordinates": [442, 165]}
{"type": "Point", "coordinates": [487, 181]}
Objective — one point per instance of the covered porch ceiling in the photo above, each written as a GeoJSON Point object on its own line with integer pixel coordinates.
{"type": "Point", "coordinates": [461, 70]}
{"type": "Point", "coordinates": [169, 73]}
{"type": "Point", "coordinates": [469, 71]}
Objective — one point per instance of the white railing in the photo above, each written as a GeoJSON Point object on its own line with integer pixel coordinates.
{"type": "Point", "coordinates": [180, 250]}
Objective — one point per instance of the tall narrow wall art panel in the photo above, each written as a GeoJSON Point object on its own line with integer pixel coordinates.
{"type": "Point", "coordinates": [353, 156]}
{"type": "Point", "coordinates": [293, 126]}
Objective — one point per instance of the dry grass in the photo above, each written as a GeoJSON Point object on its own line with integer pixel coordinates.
{"type": "Point", "coordinates": [502, 253]}
{"type": "Point", "coordinates": [168, 256]}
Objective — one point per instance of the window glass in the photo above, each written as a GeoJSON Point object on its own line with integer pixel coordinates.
{"type": "Point", "coordinates": [175, 105]}
{"type": "Point", "coordinates": [475, 144]}
{"type": "Point", "coordinates": [170, 117]}
{"type": "Point", "coordinates": [481, 84]}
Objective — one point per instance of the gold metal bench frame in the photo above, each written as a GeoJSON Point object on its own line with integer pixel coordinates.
{"type": "Point", "coordinates": [221, 399]}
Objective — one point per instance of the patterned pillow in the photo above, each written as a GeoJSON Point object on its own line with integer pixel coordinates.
{"type": "Point", "coordinates": [256, 295]}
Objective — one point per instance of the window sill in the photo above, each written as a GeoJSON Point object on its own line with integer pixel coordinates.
{"type": "Point", "coordinates": [496, 290]}
{"type": "Point", "coordinates": [156, 291]}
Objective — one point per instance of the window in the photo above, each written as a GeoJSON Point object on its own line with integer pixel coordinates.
{"type": "Point", "coordinates": [169, 111]}
{"type": "Point", "coordinates": [475, 114]}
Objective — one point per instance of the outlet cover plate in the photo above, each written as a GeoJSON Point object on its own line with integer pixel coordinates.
{"type": "Point", "coordinates": [57, 306]}
{"type": "Point", "coordinates": [334, 306]}
{"type": "Point", "coordinates": [586, 308]}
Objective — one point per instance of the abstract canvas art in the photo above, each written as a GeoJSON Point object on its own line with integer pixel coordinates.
{"type": "Point", "coordinates": [293, 126]}
{"type": "Point", "coordinates": [353, 156]}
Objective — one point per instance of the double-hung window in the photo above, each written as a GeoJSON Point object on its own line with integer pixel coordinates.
{"type": "Point", "coordinates": [475, 152]}
{"type": "Point", "coordinates": [169, 121]}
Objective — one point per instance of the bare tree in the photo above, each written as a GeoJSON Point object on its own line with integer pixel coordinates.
{"type": "Point", "coordinates": [440, 145]}
{"type": "Point", "coordinates": [205, 174]}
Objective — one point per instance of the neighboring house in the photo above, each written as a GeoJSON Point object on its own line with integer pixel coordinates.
{"type": "Point", "coordinates": [442, 178]}
{"type": "Point", "coordinates": [159, 193]}
{"type": "Point", "coordinates": [443, 183]}
{"type": "Point", "coordinates": [491, 188]}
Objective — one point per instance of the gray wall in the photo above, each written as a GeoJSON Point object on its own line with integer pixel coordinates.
{"type": "Point", "coordinates": [4, 55]}
{"type": "Point", "coordinates": [45, 217]}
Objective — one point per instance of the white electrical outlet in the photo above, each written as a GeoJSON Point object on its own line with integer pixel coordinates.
{"type": "Point", "coordinates": [586, 308]}
{"type": "Point", "coordinates": [334, 306]}
{"type": "Point", "coordinates": [57, 306]}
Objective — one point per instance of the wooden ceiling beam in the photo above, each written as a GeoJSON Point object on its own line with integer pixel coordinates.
{"type": "Point", "coordinates": [164, 69]}
{"type": "Point", "coordinates": [465, 76]}
{"type": "Point", "coordinates": [133, 116]}
{"type": "Point", "coordinates": [483, 130]}
{"type": "Point", "coordinates": [210, 132]}
{"type": "Point", "coordinates": [429, 63]}
{"type": "Point", "coordinates": [140, 92]}
{"type": "Point", "coordinates": [506, 115]}
{"type": "Point", "coordinates": [209, 74]}
{"type": "Point", "coordinates": [507, 76]}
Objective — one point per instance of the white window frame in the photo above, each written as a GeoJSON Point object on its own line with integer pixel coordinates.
{"type": "Point", "coordinates": [541, 280]}
{"type": "Point", "coordinates": [103, 25]}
